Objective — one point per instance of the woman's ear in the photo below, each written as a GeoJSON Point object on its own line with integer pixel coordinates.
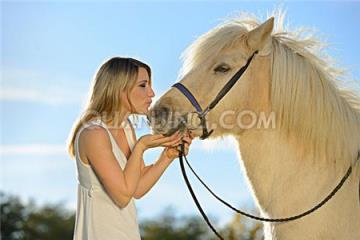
{"type": "Point", "coordinates": [260, 37]}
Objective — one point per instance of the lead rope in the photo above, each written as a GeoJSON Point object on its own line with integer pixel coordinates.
{"type": "Point", "coordinates": [203, 214]}
{"type": "Point", "coordinates": [182, 157]}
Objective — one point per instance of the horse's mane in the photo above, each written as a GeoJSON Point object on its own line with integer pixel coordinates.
{"type": "Point", "coordinates": [307, 92]}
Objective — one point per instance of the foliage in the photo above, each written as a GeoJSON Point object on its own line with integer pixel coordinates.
{"type": "Point", "coordinates": [240, 228]}
{"type": "Point", "coordinates": [55, 222]}
{"type": "Point", "coordinates": [168, 226]}
{"type": "Point", "coordinates": [27, 221]}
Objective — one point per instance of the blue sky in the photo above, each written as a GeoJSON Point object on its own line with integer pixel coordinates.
{"type": "Point", "coordinates": [50, 51]}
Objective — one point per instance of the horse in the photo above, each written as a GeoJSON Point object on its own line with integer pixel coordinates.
{"type": "Point", "coordinates": [310, 131]}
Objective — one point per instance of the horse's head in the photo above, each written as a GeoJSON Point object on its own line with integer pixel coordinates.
{"type": "Point", "coordinates": [209, 63]}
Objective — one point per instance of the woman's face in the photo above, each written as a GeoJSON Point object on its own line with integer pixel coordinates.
{"type": "Point", "coordinates": [141, 95]}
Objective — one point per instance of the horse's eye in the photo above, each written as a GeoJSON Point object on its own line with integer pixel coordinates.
{"type": "Point", "coordinates": [223, 68]}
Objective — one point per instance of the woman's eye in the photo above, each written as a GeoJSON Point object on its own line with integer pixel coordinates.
{"type": "Point", "coordinates": [223, 68]}
{"type": "Point", "coordinates": [143, 85]}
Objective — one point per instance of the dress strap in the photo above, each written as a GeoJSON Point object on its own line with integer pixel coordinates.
{"type": "Point", "coordinates": [76, 144]}
{"type": "Point", "coordinates": [126, 125]}
{"type": "Point", "coordinates": [129, 133]}
{"type": "Point", "coordinates": [115, 148]}
{"type": "Point", "coordinates": [112, 139]}
{"type": "Point", "coordinates": [95, 122]}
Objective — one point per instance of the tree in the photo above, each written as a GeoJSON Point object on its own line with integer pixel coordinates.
{"type": "Point", "coordinates": [27, 221]}
{"type": "Point", "coordinates": [12, 214]}
{"type": "Point", "coordinates": [30, 222]}
{"type": "Point", "coordinates": [168, 226]}
{"type": "Point", "coordinates": [240, 228]}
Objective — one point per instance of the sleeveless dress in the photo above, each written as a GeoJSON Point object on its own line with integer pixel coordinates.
{"type": "Point", "coordinates": [97, 216]}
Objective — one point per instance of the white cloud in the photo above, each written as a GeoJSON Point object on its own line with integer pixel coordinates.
{"type": "Point", "coordinates": [33, 149]}
{"type": "Point", "coordinates": [31, 86]}
{"type": "Point", "coordinates": [226, 144]}
{"type": "Point", "coordinates": [47, 96]}
{"type": "Point", "coordinates": [28, 85]}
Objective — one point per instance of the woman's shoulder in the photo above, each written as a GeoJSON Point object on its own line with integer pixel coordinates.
{"type": "Point", "coordinates": [93, 138]}
{"type": "Point", "coordinates": [93, 132]}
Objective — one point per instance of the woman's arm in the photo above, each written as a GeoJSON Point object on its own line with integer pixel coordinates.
{"type": "Point", "coordinates": [119, 184]}
{"type": "Point", "coordinates": [151, 175]}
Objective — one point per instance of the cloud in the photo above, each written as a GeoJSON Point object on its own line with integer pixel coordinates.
{"type": "Point", "coordinates": [23, 85]}
{"type": "Point", "coordinates": [226, 144]}
{"type": "Point", "coordinates": [29, 85]}
{"type": "Point", "coordinates": [33, 149]}
{"type": "Point", "coordinates": [46, 96]}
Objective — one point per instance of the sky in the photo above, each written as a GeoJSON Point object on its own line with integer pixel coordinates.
{"type": "Point", "coordinates": [50, 51]}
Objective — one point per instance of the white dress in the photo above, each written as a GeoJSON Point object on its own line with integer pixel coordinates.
{"type": "Point", "coordinates": [97, 216]}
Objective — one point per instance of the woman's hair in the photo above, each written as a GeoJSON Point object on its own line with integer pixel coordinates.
{"type": "Point", "coordinates": [115, 77]}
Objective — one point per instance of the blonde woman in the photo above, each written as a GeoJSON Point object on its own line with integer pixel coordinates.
{"type": "Point", "coordinates": [110, 167]}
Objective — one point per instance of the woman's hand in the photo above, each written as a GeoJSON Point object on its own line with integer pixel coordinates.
{"type": "Point", "coordinates": [173, 152]}
{"type": "Point", "coordinates": [157, 140]}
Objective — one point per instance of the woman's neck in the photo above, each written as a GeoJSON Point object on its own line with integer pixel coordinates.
{"type": "Point", "coordinates": [118, 120]}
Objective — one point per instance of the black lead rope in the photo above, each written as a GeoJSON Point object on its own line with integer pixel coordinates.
{"type": "Point", "coordinates": [182, 156]}
{"type": "Point", "coordinates": [203, 214]}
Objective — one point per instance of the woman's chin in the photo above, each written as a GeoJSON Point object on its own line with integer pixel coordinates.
{"type": "Point", "coordinates": [144, 111]}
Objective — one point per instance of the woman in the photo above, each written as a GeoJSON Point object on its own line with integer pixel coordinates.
{"type": "Point", "coordinates": [110, 167]}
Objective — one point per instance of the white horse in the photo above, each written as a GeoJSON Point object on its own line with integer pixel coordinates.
{"type": "Point", "coordinates": [291, 167]}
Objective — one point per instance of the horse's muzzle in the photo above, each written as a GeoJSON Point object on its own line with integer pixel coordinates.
{"type": "Point", "coordinates": [166, 121]}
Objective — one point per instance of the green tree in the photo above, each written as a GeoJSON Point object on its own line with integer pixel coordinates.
{"type": "Point", "coordinates": [12, 214]}
{"type": "Point", "coordinates": [54, 222]}
{"type": "Point", "coordinates": [28, 222]}
{"type": "Point", "coordinates": [49, 222]}
{"type": "Point", "coordinates": [240, 228]}
{"type": "Point", "coordinates": [168, 227]}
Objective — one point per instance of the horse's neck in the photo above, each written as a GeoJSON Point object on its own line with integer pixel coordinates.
{"type": "Point", "coordinates": [286, 184]}
{"type": "Point", "coordinates": [283, 183]}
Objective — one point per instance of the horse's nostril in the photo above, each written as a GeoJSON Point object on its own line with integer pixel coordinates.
{"type": "Point", "coordinates": [161, 112]}
{"type": "Point", "coordinates": [164, 112]}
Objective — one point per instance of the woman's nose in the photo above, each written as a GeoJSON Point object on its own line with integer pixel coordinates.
{"type": "Point", "coordinates": [151, 93]}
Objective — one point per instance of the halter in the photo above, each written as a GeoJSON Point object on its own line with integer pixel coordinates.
{"type": "Point", "coordinates": [202, 113]}
{"type": "Point", "coordinates": [206, 133]}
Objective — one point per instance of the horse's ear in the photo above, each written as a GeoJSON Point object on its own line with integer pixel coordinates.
{"type": "Point", "coordinates": [260, 37]}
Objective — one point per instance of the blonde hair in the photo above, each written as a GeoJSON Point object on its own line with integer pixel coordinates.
{"type": "Point", "coordinates": [115, 77]}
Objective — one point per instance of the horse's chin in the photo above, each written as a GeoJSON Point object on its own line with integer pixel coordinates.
{"type": "Point", "coordinates": [167, 129]}
{"type": "Point", "coordinates": [162, 123]}
{"type": "Point", "coordinates": [170, 129]}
